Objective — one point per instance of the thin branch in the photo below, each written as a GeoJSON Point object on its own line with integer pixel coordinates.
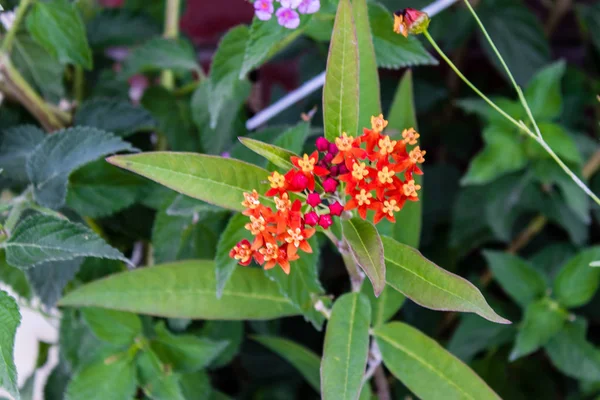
{"type": "Point", "coordinates": [381, 384]}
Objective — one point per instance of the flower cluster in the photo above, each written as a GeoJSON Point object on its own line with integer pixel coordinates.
{"type": "Point", "coordinates": [374, 171]}
{"type": "Point", "coordinates": [287, 15]}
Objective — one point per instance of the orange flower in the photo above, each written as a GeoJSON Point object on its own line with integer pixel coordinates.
{"type": "Point", "coordinates": [273, 255]}
{"type": "Point", "coordinates": [278, 183]}
{"type": "Point", "coordinates": [362, 201]}
{"type": "Point", "coordinates": [309, 168]}
{"type": "Point", "coordinates": [410, 136]}
{"type": "Point", "coordinates": [387, 209]}
{"type": "Point", "coordinates": [242, 252]}
{"type": "Point", "coordinates": [348, 150]}
{"type": "Point", "coordinates": [410, 190]}
{"type": "Point", "coordinates": [410, 20]}
{"type": "Point", "coordinates": [296, 238]}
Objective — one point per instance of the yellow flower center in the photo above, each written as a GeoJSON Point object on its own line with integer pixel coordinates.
{"type": "Point", "coordinates": [270, 252]}
{"type": "Point", "coordinates": [363, 197]}
{"type": "Point", "coordinates": [386, 146]}
{"type": "Point", "coordinates": [417, 156]}
{"type": "Point", "coordinates": [410, 136]}
{"type": "Point", "coordinates": [307, 164]}
{"type": "Point", "coordinates": [344, 142]}
{"type": "Point", "coordinates": [378, 124]}
{"type": "Point", "coordinates": [410, 189]}
{"type": "Point", "coordinates": [277, 180]}
{"type": "Point", "coordinates": [256, 225]}
{"type": "Point", "coordinates": [251, 200]}
{"type": "Point", "coordinates": [294, 236]}
{"type": "Point", "coordinates": [385, 175]}
{"type": "Point", "coordinates": [390, 207]}
{"type": "Point", "coordinates": [284, 203]}
{"type": "Point", "coordinates": [359, 171]}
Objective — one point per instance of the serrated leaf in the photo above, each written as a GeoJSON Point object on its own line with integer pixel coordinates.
{"type": "Point", "coordinates": [159, 54]}
{"type": "Point", "coordinates": [191, 293]}
{"type": "Point", "coordinates": [116, 116]}
{"type": "Point", "coordinates": [16, 145]}
{"type": "Point", "coordinates": [225, 265]}
{"type": "Point", "coordinates": [303, 359]}
{"type": "Point", "coordinates": [14, 278]}
{"type": "Point", "coordinates": [302, 286]}
{"type": "Point", "coordinates": [225, 70]}
{"type": "Point", "coordinates": [116, 327]}
{"type": "Point", "coordinates": [48, 279]}
{"type": "Point", "coordinates": [156, 381]}
{"type": "Point", "coordinates": [216, 180]}
{"type": "Point", "coordinates": [516, 276]}
{"type": "Point", "coordinates": [475, 334]}
{"type": "Point", "coordinates": [41, 238]}
{"type": "Point", "coordinates": [577, 282]}
{"type": "Point", "coordinates": [10, 319]}
{"type": "Point", "coordinates": [50, 164]}
{"type": "Point", "coordinates": [104, 379]}
{"type": "Point", "coordinates": [341, 91]}
{"type": "Point", "coordinates": [369, 101]}
{"type": "Point", "coordinates": [366, 248]}
{"type": "Point", "coordinates": [346, 348]}
{"type": "Point", "coordinates": [394, 51]}
{"type": "Point", "coordinates": [57, 26]}
{"type": "Point", "coordinates": [426, 368]}
{"type": "Point", "coordinates": [543, 93]}
{"type": "Point", "coordinates": [431, 286]}
{"type": "Point", "coordinates": [385, 306]}
{"type": "Point", "coordinates": [126, 28]}
{"type": "Point", "coordinates": [543, 319]}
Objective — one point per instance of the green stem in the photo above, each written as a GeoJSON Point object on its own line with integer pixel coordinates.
{"type": "Point", "coordinates": [12, 32]}
{"type": "Point", "coordinates": [171, 32]}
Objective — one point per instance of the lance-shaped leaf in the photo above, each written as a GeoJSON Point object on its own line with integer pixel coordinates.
{"type": "Point", "coordinates": [303, 359]}
{"type": "Point", "coordinates": [340, 94]}
{"type": "Point", "coordinates": [42, 238]}
{"type": "Point", "coordinates": [186, 290]}
{"type": "Point", "coordinates": [431, 286]}
{"type": "Point", "coordinates": [278, 156]}
{"type": "Point", "coordinates": [426, 368]}
{"type": "Point", "coordinates": [366, 248]}
{"type": "Point", "coordinates": [346, 347]}
{"type": "Point", "coordinates": [216, 180]}
{"type": "Point", "coordinates": [10, 319]}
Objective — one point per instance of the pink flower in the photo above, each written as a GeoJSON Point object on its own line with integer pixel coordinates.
{"type": "Point", "coordinates": [309, 6]}
{"type": "Point", "coordinates": [290, 3]}
{"type": "Point", "coordinates": [330, 185]}
{"type": "Point", "coordinates": [288, 18]}
{"type": "Point", "coordinates": [263, 9]}
{"type": "Point", "coordinates": [311, 218]}
{"type": "Point", "coordinates": [313, 200]}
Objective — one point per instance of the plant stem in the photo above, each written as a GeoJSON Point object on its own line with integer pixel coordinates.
{"type": "Point", "coordinates": [381, 383]}
{"type": "Point", "coordinates": [171, 32]}
{"type": "Point", "coordinates": [12, 32]}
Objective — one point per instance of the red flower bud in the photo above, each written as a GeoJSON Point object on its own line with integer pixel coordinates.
{"type": "Point", "coordinates": [343, 169]}
{"type": "Point", "coordinates": [325, 221]}
{"type": "Point", "coordinates": [334, 170]}
{"type": "Point", "coordinates": [333, 149]}
{"type": "Point", "coordinates": [336, 208]}
{"type": "Point", "coordinates": [328, 157]}
{"type": "Point", "coordinates": [311, 218]}
{"type": "Point", "coordinates": [299, 182]}
{"type": "Point", "coordinates": [313, 200]}
{"type": "Point", "coordinates": [322, 144]}
{"type": "Point", "coordinates": [330, 185]}
{"type": "Point", "coordinates": [410, 20]}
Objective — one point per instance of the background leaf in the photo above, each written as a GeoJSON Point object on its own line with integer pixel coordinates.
{"type": "Point", "coordinates": [16, 145]}
{"type": "Point", "coordinates": [577, 282]}
{"type": "Point", "coordinates": [116, 116]}
{"type": "Point", "coordinates": [49, 279]}
{"type": "Point", "coordinates": [159, 54]}
{"type": "Point", "coordinates": [10, 319]}
{"type": "Point", "coordinates": [156, 381]}
{"type": "Point", "coordinates": [543, 93]}
{"type": "Point", "coordinates": [117, 327]}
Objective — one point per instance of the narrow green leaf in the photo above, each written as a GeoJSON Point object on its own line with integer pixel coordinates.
{"type": "Point", "coordinates": [303, 359]}
{"type": "Point", "coordinates": [577, 282]}
{"type": "Point", "coordinates": [10, 319]}
{"type": "Point", "coordinates": [517, 277]}
{"type": "Point", "coordinates": [116, 116]}
{"type": "Point", "coordinates": [431, 286]}
{"type": "Point", "coordinates": [159, 54]}
{"type": "Point", "coordinates": [156, 381]}
{"type": "Point", "coordinates": [346, 347]}
{"type": "Point", "coordinates": [57, 26]}
{"type": "Point", "coordinates": [385, 306]}
{"type": "Point", "coordinates": [369, 101]}
{"type": "Point", "coordinates": [543, 320]}
{"type": "Point", "coordinates": [112, 326]}
{"type": "Point", "coordinates": [341, 91]}
{"type": "Point", "coordinates": [292, 140]}
{"type": "Point", "coordinates": [426, 368]}
{"type": "Point", "coordinates": [276, 155]}
{"type": "Point", "coordinates": [50, 164]}
{"type": "Point", "coordinates": [42, 238]}
{"type": "Point", "coordinates": [543, 93]}
{"type": "Point", "coordinates": [367, 250]}
{"type": "Point", "coordinates": [16, 145]}
{"type": "Point", "coordinates": [186, 290]}
{"type": "Point", "coordinates": [216, 180]}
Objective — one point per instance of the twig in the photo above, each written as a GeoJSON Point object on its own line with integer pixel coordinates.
{"type": "Point", "coordinates": [381, 384]}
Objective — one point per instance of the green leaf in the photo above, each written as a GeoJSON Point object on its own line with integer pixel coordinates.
{"type": "Point", "coordinates": [216, 180]}
{"type": "Point", "coordinates": [184, 206]}
{"type": "Point", "coordinates": [230, 331]}
{"type": "Point", "coordinates": [394, 51]}
{"type": "Point", "coordinates": [50, 164]}
{"type": "Point", "coordinates": [292, 140]}
{"type": "Point", "coordinates": [185, 353]}
{"type": "Point", "coordinates": [232, 235]}
{"type": "Point", "coordinates": [10, 319]}
{"type": "Point", "coordinates": [369, 101]}
{"type": "Point", "coordinates": [57, 26]}
{"type": "Point", "coordinates": [303, 359]}
{"type": "Point", "coordinates": [366, 248]}
{"type": "Point", "coordinates": [48, 279]}
{"type": "Point", "coordinates": [111, 326]}
{"type": "Point", "coordinates": [116, 116]}
{"type": "Point", "coordinates": [517, 34]}
{"type": "Point", "coordinates": [14, 278]}
{"type": "Point", "coordinates": [385, 306]}
{"type": "Point", "coordinates": [577, 282]}
{"type": "Point", "coordinates": [126, 28]}
{"type": "Point", "coordinates": [156, 382]}
{"type": "Point", "coordinates": [276, 155]}
{"type": "Point", "coordinates": [589, 16]}
{"type": "Point", "coordinates": [186, 290]}
{"type": "Point", "coordinates": [16, 145]}
{"type": "Point", "coordinates": [543, 320]}
{"type": "Point", "coordinates": [426, 368]}
{"type": "Point", "coordinates": [302, 286]}
{"type": "Point", "coordinates": [225, 70]}
{"type": "Point", "coordinates": [543, 93]}
{"type": "Point", "coordinates": [431, 286]}
{"type": "Point", "coordinates": [572, 354]}
{"type": "Point", "coordinates": [42, 238]}
{"type": "Point", "coordinates": [341, 91]}
{"type": "Point", "coordinates": [196, 386]}
{"type": "Point", "coordinates": [475, 334]}
{"type": "Point", "coordinates": [517, 277]}
{"type": "Point", "coordinates": [503, 153]}
{"type": "Point", "coordinates": [99, 189]}
{"type": "Point", "coordinates": [113, 378]}
{"type": "Point", "coordinates": [161, 53]}
{"type": "Point", "coordinates": [346, 347]}
{"type": "Point", "coordinates": [559, 140]}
